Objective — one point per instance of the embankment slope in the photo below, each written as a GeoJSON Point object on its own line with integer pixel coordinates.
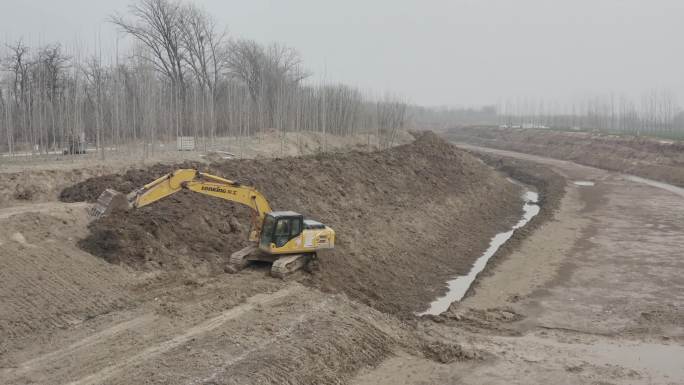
{"type": "Point", "coordinates": [407, 218]}
{"type": "Point", "coordinates": [650, 158]}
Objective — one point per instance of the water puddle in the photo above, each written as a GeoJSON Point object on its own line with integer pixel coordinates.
{"type": "Point", "coordinates": [662, 359]}
{"type": "Point", "coordinates": [584, 183]}
{"type": "Point", "coordinates": [459, 285]}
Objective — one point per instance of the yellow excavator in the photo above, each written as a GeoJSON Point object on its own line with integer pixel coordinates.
{"type": "Point", "coordinates": [284, 238]}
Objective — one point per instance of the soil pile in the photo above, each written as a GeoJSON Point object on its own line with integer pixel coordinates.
{"type": "Point", "coordinates": [46, 282]}
{"type": "Point", "coordinates": [20, 188]}
{"type": "Point", "coordinates": [407, 218]}
{"type": "Point", "coordinates": [645, 157]}
{"type": "Point", "coordinates": [90, 189]}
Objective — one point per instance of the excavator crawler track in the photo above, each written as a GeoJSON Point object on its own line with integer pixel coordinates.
{"type": "Point", "coordinates": [240, 259]}
{"type": "Point", "coordinates": [288, 264]}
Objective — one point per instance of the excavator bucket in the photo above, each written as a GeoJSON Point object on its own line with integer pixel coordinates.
{"type": "Point", "coordinates": [109, 201]}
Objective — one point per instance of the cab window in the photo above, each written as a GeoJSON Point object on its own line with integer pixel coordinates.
{"type": "Point", "coordinates": [296, 227]}
{"type": "Point", "coordinates": [286, 229]}
{"type": "Point", "coordinates": [267, 230]}
{"type": "Point", "coordinates": [282, 232]}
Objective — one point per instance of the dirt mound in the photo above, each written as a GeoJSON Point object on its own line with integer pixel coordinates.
{"type": "Point", "coordinates": [46, 282]}
{"type": "Point", "coordinates": [90, 189]}
{"type": "Point", "coordinates": [38, 186]}
{"type": "Point", "coordinates": [407, 218]}
{"type": "Point", "coordinates": [185, 231]}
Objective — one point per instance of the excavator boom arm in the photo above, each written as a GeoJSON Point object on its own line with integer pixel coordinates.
{"type": "Point", "coordinates": [289, 249]}
{"type": "Point", "coordinates": [205, 184]}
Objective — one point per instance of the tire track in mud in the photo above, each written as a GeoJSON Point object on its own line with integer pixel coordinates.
{"type": "Point", "coordinates": [204, 327]}
{"type": "Point", "coordinates": [310, 338]}
{"type": "Point", "coordinates": [280, 334]}
{"type": "Point", "coordinates": [40, 288]}
{"type": "Point", "coordinates": [46, 282]}
{"type": "Point", "coordinates": [48, 207]}
{"type": "Point", "coordinates": [292, 334]}
{"type": "Point", "coordinates": [85, 343]}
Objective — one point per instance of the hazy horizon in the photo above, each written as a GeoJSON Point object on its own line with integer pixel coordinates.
{"type": "Point", "coordinates": [437, 53]}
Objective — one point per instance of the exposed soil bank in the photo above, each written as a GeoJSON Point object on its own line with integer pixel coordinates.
{"type": "Point", "coordinates": [551, 188]}
{"type": "Point", "coordinates": [645, 157]}
{"type": "Point", "coordinates": [459, 286]}
{"type": "Point", "coordinates": [20, 188]}
{"type": "Point", "coordinates": [41, 178]}
{"type": "Point", "coordinates": [407, 218]}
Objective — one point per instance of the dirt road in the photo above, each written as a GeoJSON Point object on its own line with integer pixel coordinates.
{"type": "Point", "coordinates": [652, 158]}
{"type": "Point", "coordinates": [593, 297]}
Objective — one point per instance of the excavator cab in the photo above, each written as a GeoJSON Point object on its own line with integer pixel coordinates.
{"type": "Point", "coordinates": [287, 240]}
{"type": "Point", "coordinates": [279, 228]}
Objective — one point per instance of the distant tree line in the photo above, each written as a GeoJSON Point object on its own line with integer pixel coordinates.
{"type": "Point", "coordinates": [438, 118]}
{"type": "Point", "coordinates": [655, 113]}
{"type": "Point", "coordinates": [183, 76]}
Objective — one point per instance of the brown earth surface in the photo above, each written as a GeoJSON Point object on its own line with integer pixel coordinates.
{"type": "Point", "coordinates": [403, 216]}
{"type": "Point", "coordinates": [587, 294]}
{"type": "Point", "coordinates": [28, 178]}
{"type": "Point", "coordinates": [590, 297]}
{"type": "Point", "coordinates": [24, 187]}
{"type": "Point", "coordinates": [549, 184]}
{"type": "Point", "coordinates": [661, 160]}
{"type": "Point", "coordinates": [70, 317]}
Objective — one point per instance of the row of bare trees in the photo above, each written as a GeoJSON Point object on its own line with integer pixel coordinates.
{"type": "Point", "coordinates": [183, 75]}
{"type": "Point", "coordinates": [655, 113]}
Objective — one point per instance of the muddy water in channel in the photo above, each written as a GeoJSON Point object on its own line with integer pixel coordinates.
{"type": "Point", "coordinates": [459, 285]}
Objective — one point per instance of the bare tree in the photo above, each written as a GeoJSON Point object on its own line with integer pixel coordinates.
{"type": "Point", "coordinates": [181, 71]}
{"type": "Point", "coordinates": [18, 64]}
{"type": "Point", "coordinates": [391, 114]}
{"type": "Point", "coordinates": [269, 73]}
{"type": "Point", "coordinates": [205, 57]}
{"type": "Point", "coordinates": [264, 68]}
{"type": "Point", "coordinates": [158, 25]}
{"type": "Point", "coordinates": [245, 60]}
{"type": "Point", "coordinates": [49, 72]}
{"type": "Point", "coordinates": [203, 44]}
{"type": "Point", "coordinates": [52, 62]}
{"type": "Point", "coordinates": [96, 79]}
{"type": "Point", "coordinates": [284, 64]}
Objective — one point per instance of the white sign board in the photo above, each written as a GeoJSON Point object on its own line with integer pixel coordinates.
{"type": "Point", "coordinates": [185, 143]}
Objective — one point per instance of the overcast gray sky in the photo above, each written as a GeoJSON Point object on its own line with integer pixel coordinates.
{"type": "Point", "coordinates": [459, 52]}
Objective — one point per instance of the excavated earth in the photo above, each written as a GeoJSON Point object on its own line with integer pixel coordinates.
{"type": "Point", "coordinates": [140, 297]}
{"type": "Point", "coordinates": [407, 219]}
{"type": "Point", "coordinates": [587, 293]}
